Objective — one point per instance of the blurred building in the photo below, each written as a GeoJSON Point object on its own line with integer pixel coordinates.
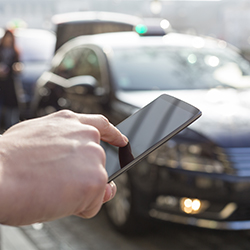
{"type": "Point", "coordinates": [225, 19]}
{"type": "Point", "coordinates": [38, 13]}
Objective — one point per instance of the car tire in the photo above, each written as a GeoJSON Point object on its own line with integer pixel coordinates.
{"type": "Point", "coordinates": [121, 210]}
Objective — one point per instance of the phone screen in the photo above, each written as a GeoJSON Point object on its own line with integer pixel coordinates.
{"type": "Point", "coordinates": [147, 129]}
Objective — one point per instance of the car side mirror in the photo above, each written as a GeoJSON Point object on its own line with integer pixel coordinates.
{"type": "Point", "coordinates": [83, 85]}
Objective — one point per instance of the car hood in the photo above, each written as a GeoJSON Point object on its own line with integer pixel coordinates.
{"type": "Point", "coordinates": [225, 112]}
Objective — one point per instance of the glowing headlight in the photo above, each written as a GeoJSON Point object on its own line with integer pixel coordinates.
{"type": "Point", "coordinates": [185, 204]}
{"type": "Point", "coordinates": [196, 205]}
{"type": "Point", "coordinates": [190, 206]}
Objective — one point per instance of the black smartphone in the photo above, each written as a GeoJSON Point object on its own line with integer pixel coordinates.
{"type": "Point", "coordinates": [147, 129]}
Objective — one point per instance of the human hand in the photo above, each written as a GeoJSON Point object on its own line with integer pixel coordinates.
{"type": "Point", "coordinates": [54, 166]}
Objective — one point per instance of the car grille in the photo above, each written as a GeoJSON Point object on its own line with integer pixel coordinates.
{"type": "Point", "coordinates": [240, 160]}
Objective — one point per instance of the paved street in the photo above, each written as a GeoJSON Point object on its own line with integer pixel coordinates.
{"type": "Point", "coordinates": [74, 233]}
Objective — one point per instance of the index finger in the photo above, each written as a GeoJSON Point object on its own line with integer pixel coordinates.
{"type": "Point", "coordinates": [108, 132]}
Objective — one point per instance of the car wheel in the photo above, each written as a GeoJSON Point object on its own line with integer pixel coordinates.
{"type": "Point", "coordinates": [121, 209]}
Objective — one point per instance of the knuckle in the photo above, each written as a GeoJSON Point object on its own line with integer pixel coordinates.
{"type": "Point", "coordinates": [102, 154]}
{"type": "Point", "coordinates": [97, 175]}
{"type": "Point", "coordinates": [94, 134]}
{"type": "Point", "coordinates": [65, 114]}
{"type": "Point", "coordinates": [99, 152]}
{"type": "Point", "coordinates": [101, 180]}
{"type": "Point", "coordinates": [98, 181]}
{"type": "Point", "coordinates": [105, 122]}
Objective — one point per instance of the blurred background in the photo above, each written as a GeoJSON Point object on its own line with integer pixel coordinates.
{"type": "Point", "coordinates": [224, 19]}
{"type": "Point", "coordinates": [33, 24]}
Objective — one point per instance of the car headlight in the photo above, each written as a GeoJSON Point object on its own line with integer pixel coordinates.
{"type": "Point", "coordinates": [188, 156]}
{"type": "Point", "coordinates": [184, 204]}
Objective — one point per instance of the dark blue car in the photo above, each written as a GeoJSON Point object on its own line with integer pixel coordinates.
{"type": "Point", "coordinates": [202, 176]}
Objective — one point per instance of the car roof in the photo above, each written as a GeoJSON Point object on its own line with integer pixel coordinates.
{"type": "Point", "coordinates": [85, 16]}
{"type": "Point", "coordinates": [73, 24]}
{"type": "Point", "coordinates": [123, 40]}
{"type": "Point", "coordinates": [127, 39]}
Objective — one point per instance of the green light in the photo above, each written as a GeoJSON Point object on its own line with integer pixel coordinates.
{"type": "Point", "coordinates": [141, 29]}
{"type": "Point", "coordinates": [16, 23]}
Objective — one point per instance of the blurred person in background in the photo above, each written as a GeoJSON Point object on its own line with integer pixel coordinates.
{"type": "Point", "coordinates": [9, 59]}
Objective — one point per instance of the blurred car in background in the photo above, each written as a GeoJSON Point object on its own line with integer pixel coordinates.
{"type": "Point", "coordinates": [73, 24]}
{"type": "Point", "coordinates": [36, 48]}
{"type": "Point", "coordinates": [201, 177]}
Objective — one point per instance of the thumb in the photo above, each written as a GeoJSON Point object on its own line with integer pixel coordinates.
{"type": "Point", "coordinates": [109, 192]}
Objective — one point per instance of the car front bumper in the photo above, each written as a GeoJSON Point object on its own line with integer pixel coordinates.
{"type": "Point", "coordinates": [198, 222]}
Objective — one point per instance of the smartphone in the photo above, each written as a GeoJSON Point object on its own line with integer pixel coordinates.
{"type": "Point", "coordinates": [147, 129]}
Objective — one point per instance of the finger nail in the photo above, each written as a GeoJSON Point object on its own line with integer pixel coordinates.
{"type": "Point", "coordinates": [112, 185]}
{"type": "Point", "coordinates": [125, 139]}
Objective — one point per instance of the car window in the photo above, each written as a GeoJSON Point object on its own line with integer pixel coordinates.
{"type": "Point", "coordinates": [79, 61]}
{"type": "Point", "coordinates": [67, 31]}
{"type": "Point", "coordinates": [162, 68]}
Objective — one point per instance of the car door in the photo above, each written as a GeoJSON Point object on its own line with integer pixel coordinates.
{"type": "Point", "coordinates": [77, 64]}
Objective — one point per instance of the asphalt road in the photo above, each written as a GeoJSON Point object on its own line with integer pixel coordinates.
{"type": "Point", "coordinates": [74, 233]}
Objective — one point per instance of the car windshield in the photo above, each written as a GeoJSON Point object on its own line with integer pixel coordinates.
{"type": "Point", "coordinates": [158, 68]}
